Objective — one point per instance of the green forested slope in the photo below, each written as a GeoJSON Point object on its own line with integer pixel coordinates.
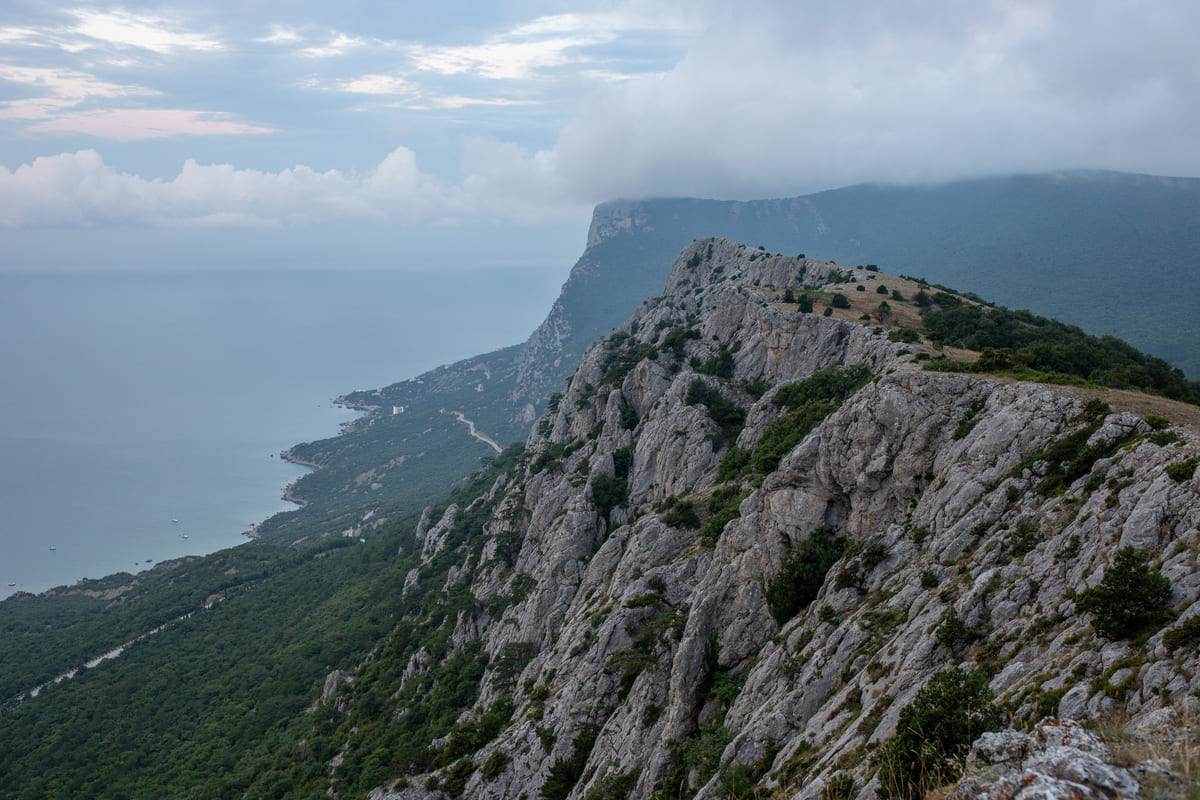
{"type": "Point", "coordinates": [217, 703]}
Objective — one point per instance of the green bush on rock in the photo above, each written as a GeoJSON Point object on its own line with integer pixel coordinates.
{"type": "Point", "coordinates": [934, 733]}
{"type": "Point", "coordinates": [1131, 600]}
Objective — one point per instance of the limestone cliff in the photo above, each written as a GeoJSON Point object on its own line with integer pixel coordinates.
{"type": "Point", "coordinates": [628, 589]}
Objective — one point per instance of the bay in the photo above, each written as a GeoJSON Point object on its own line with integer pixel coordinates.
{"type": "Point", "coordinates": [132, 399]}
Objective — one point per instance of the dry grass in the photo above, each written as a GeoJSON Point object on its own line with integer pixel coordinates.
{"type": "Point", "coordinates": [905, 313]}
{"type": "Point", "coordinates": [1174, 749]}
{"type": "Point", "coordinates": [1182, 414]}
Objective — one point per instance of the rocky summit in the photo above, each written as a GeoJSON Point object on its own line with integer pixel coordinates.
{"type": "Point", "coordinates": [758, 551]}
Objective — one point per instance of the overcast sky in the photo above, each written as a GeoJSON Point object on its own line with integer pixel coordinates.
{"type": "Point", "coordinates": [311, 130]}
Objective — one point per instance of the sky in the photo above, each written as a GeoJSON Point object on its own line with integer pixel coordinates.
{"type": "Point", "coordinates": [387, 134]}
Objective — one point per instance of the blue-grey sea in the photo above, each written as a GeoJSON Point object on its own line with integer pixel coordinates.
{"type": "Point", "coordinates": [130, 400]}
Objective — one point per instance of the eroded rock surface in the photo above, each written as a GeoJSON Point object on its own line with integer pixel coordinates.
{"type": "Point", "coordinates": [654, 634]}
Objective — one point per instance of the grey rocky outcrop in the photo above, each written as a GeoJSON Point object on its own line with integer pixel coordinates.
{"type": "Point", "coordinates": [1057, 760]}
{"type": "Point", "coordinates": [653, 638]}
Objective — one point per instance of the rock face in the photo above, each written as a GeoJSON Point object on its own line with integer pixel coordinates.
{"type": "Point", "coordinates": [634, 558]}
{"type": "Point", "coordinates": [1055, 760]}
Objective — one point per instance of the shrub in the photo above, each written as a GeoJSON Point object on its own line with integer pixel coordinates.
{"type": "Point", "coordinates": [1183, 470]}
{"type": "Point", "coordinates": [905, 334]}
{"type": "Point", "coordinates": [720, 365]}
{"type": "Point", "coordinates": [731, 466]}
{"type": "Point", "coordinates": [1131, 599]}
{"type": "Point", "coordinates": [1051, 347]}
{"type": "Point", "coordinates": [953, 632]}
{"type": "Point", "coordinates": [873, 555]}
{"type": "Point", "coordinates": [808, 402]}
{"type": "Point", "coordinates": [802, 574]}
{"type": "Point", "coordinates": [968, 421]}
{"type": "Point", "coordinates": [677, 337]}
{"type": "Point", "coordinates": [608, 492]}
{"type": "Point", "coordinates": [757, 387]}
{"type": "Point", "coordinates": [725, 506]}
{"type": "Point", "coordinates": [613, 787]}
{"type": "Point", "coordinates": [840, 787]}
{"type": "Point", "coordinates": [508, 667]}
{"type": "Point", "coordinates": [457, 776]}
{"type": "Point", "coordinates": [703, 753]}
{"type": "Point", "coordinates": [840, 301]}
{"type": "Point", "coordinates": [679, 513]}
{"type": "Point", "coordinates": [565, 772]}
{"type": "Point", "coordinates": [934, 733]}
{"type": "Point", "coordinates": [1185, 633]}
{"type": "Point", "coordinates": [804, 303]}
{"type": "Point", "coordinates": [1163, 438]}
{"type": "Point", "coordinates": [728, 417]}
{"type": "Point", "coordinates": [737, 782]}
{"type": "Point", "coordinates": [495, 764]}
{"type": "Point", "coordinates": [1024, 539]}
{"type": "Point", "coordinates": [629, 418]}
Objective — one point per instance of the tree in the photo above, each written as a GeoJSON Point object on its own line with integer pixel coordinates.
{"type": "Point", "coordinates": [840, 301]}
{"type": "Point", "coordinates": [1131, 599]}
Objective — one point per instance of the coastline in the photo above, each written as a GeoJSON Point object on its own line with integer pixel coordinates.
{"type": "Point", "coordinates": [289, 454]}
{"type": "Point", "coordinates": [287, 496]}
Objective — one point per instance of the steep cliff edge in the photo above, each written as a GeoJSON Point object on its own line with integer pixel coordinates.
{"type": "Point", "coordinates": [745, 537]}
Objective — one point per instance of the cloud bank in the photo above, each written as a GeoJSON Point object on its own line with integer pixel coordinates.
{"type": "Point", "coordinates": [80, 189]}
{"type": "Point", "coordinates": [543, 118]}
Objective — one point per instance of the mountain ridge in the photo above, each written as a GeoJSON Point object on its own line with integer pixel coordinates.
{"type": "Point", "coordinates": [628, 612]}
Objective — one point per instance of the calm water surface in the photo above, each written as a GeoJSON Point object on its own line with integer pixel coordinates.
{"type": "Point", "coordinates": [128, 400]}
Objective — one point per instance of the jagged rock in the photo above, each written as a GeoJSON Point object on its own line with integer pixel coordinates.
{"type": "Point", "coordinates": [412, 582]}
{"type": "Point", "coordinates": [1057, 760]}
{"type": "Point", "coordinates": [333, 681]}
{"type": "Point", "coordinates": [654, 636]}
{"type": "Point", "coordinates": [424, 523]}
{"type": "Point", "coordinates": [435, 538]}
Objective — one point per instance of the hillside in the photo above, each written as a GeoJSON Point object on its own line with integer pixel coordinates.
{"type": "Point", "coordinates": [747, 537]}
{"type": "Point", "coordinates": [748, 550]}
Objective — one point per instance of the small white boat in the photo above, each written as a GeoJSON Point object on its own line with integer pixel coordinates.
{"type": "Point", "coordinates": [53, 548]}
{"type": "Point", "coordinates": [174, 520]}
